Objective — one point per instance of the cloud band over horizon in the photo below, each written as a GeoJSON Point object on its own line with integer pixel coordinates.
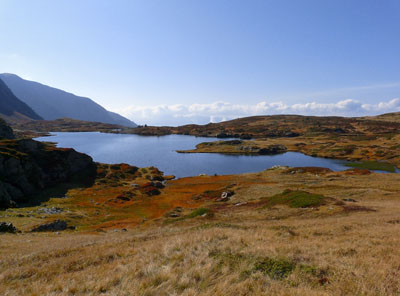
{"type": "Point", "coordinates": [180, 114]}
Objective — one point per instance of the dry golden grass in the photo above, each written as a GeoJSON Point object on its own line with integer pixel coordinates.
{"type": "Point", "coordinates": [329, 250]}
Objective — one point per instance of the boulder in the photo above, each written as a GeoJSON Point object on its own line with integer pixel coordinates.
{"type": "Point", "coordinates": [272, 149]}
{"type": "Point", "coordinates": [7, 227]}
{"type": "Point", "coordinates": [225, 196]}
{"type": "Point", "coordinates": [57, 225]}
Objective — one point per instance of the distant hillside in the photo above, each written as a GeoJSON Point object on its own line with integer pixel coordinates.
{"type": "Point", "coordinates": [65, 125]}
{"type": "Point", "coordinates": [52, 103]}
{"type": "Point", "coordinates": [281, 126]}
{"type": "Point", "coordinates": [11, 106]}
{"type": "Point", "coordinates": [392, 117]}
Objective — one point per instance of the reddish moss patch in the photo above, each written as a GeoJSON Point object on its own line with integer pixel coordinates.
{"type": "Point", "coordinates": [355, 208]}
{"type": "Point", "coordinates": [357, 172]}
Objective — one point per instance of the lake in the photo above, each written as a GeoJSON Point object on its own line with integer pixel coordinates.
{"type": "Point", "coordinates": [144, 151]}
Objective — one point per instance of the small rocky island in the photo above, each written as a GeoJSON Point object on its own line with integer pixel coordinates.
{"type": "Point", "coordinates": [237, 147]}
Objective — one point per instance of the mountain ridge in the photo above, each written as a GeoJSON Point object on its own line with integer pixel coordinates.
{"type": "Point", "coordinates": [11, 106]}
{"type": "Point", "coordinates": [52, 103]}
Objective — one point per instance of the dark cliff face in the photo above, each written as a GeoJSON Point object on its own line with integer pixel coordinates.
{"type": "Point", "coordinates": [5, 130]}
{"type": "Point", "coordinates": [27, 167]}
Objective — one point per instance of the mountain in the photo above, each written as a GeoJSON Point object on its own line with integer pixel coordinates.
{"type": "Point", "coordinates": [121, 120]}
{"type": "Point", "coordinates": [52, 103]}
{"type": "Point", "coordinates": [11, 106]}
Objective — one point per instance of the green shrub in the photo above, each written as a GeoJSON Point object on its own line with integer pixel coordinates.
{"type": "Point", "coordinates": [275, 268]}
{"type": "Point", "coordinates": [373, 165]}
{"type": "Point", "coordinates": [198, 212]}
{"type": "Point", "coordinates": [296, 199]}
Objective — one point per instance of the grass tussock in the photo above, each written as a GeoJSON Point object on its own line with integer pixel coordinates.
{"type": "Point", "coordinates": [220, 225]}
{"type": "Point", "coordinates": [296, 199]}
{"type": "Point", "coordinates": [198, 212]}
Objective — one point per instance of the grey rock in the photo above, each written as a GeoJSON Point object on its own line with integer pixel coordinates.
{"type": "Point", "coordinates": [349, 199]}
{"type": "Point", "coordinates": [57, 225]}
{"type": "Point", "coordinates": [50, 211]}
{"type": "Point", "coordinates": [225, 196]}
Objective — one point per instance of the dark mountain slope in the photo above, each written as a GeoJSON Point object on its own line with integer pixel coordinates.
{"type": "Point", "coordinates": [10, 104]}
{"type": "Point", "coordinates": [52, 103]}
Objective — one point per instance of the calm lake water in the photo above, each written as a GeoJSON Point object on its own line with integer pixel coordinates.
{"type": "Point", "coordinates": [144, 151]}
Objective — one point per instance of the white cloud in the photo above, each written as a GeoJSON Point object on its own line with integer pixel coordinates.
{"type": "Point", "coordinates": [391, 106]}
{"type": "Point", "coordinates": [180, 114]}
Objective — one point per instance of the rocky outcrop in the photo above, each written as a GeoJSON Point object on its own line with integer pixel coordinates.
{"type": "Point", "coordinates": [57, 225]}
{"type": "Point", "coordinates": [226, 195]}
{"type": "Point", "coordinates": [5, 130]}
{"type": "Point", "coordinates": [7, 227]}
{"type": "Point", "coordinates": [272, 149]}
{"type": "Point", "coordinates": [269, 150]}
{"type": "Point", "coordinates": [28, 166]}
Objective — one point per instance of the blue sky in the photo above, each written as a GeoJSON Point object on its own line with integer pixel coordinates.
{"type": "Point", "coordinates": [177, 61]}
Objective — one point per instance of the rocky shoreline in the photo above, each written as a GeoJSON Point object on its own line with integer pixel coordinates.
{"type": "Point", "coordinates": [28, 167]}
